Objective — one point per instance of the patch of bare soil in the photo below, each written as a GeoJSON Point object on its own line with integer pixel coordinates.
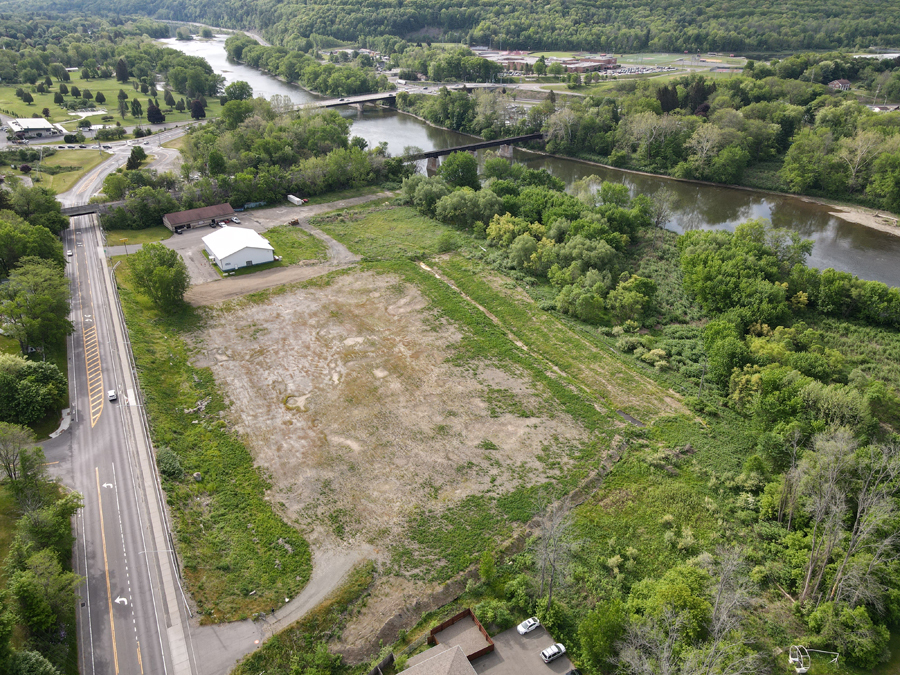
{"type": "Point", "coordinates": [346, 398]}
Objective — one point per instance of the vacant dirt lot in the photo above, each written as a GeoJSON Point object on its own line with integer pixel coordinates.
{"type": "Point", "coordinates": [346, 398]}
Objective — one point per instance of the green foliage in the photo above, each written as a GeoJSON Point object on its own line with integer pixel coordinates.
{"type": "Point", "coordinates": [160, 274]}
{"type": "Point", "coordinates": [222, 563]}
{"type": "Point", "coordinates": [168, 464]}
{"type": "Point", "coordinates": [460, 170]}
{"type": "Point", "coordinates": [851, 632]}
{"type": "Point", "coordinates": [598, 633]}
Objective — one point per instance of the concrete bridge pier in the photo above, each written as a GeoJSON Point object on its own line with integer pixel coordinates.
{"type": "Point", "coordinates": [359, 106]}
{"type": "Point", "coordinates": [505, 151]}
{"type": "Point", "coordinates": [432, 165]}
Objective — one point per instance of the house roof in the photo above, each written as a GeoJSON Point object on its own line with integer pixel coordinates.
{"type": "Point", "coordinates": [227, 241]}
{"type": "Point", "coordinates": [450, 662]}
{"type": "Point", "coordinates": [841, 82]}
{"type": "Point", "coordinates": [204, 213]}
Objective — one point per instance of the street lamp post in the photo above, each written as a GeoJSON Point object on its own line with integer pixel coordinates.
{"type": "Point", "coordinates": [125, 243]}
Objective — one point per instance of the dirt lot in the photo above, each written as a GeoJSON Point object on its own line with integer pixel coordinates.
{"type": "Point", "coordinates": [345, 397]}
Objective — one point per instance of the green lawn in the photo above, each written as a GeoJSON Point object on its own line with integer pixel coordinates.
{"type": "Point", "coordinates": [291, 243]}
{"type": "Point", "coordinates": [12, 105]}
{"type": "Point", "coordinates": [83, 160]}
{"type": "Point", "coordinates": [294, 244]}
{"type": "Point", "coordinates": [386, 233]}
{"type": "Point", "coordinates": [135, 237]}
{"type": "Point", "coordinates": [8, 516]}
{"type": "Point", "coordinates": [345, 194]}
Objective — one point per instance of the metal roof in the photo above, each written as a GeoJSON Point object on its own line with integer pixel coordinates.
{"type": "Point", "coordinates": [204, 213]}
{"type": "Point", "coordinates": [227, 241]}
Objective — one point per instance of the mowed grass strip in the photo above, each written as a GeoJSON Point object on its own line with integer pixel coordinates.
{"type": "Point", "coordinates": [137, 237]}
{"type": "Point", "coordinates": [231, 541]}
{"type": "Point", "coordinates": [385, 233]}
{"type": "Point", "coordinates": [594, 368]}
{"type": "Point", "coordinates": [82, 160]}
{"type": "Point", "coordinates": [294, 244]}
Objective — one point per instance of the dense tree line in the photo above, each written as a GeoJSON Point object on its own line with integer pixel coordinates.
{"type": "Point", "coordinates": [38, 603]}
{"type": "Point", "coordinates": [816, 504]}
{"type": "Point", "coordinates": [624, 25]}
{"type": "Point", "coordinates": [296, 66]}
{"type": "Point", "coordinates": [252, 154]}
{"type": "Point", "coordinates": [798, 136]}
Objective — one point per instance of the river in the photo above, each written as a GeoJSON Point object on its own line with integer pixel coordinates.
{"type": "Point", "coordinates": [867, 253]}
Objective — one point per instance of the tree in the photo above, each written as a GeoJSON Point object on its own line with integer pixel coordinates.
{"type": "Point", "coordinates": [63, 89]}
{"type": "Point", "coordinates": [14, 440]}
{"type": "Point", "coordinates": [598, 633]}
{"type": "Point", "coordinates": [239, 91]}
{"type": "Point", "coordinates": [87, 95]}
{"type": "Point", "coordinates": [45, 112]}
{"type": "Point", "coordinates": [137, 110]}
{"type": "Point", "coordinates": [100, 98]}
{"type": "Point", "coordinates": [122, 74]}
{"type": "Point", "coordinates": [121, 95]}
{"type": "Point", "coordinates": [39, 206]}
{"type": "Point", "coordinates": [235, 112]}
{"type": "Point", "coordinates": [180, 105]}
{"type": "Point", "coordinates": [169, 99]}
{"type": "Point", "coordinates": [28, 98]}
{"type": "Point", "coordinates": [58, 98]}
{"type": "Point", "coordinates": [552, 545]}
{"type": "Point", "coordinates": [76, 92]}
{"type": "Point", "coordinates": [31, 663]}
{"type": "Point", "coordinates": [216, 163]}
{"type": "Point", "coordinates": [35, 303]}
{"type": "Point", "coordinates": [460, 169]}
{"type": "Point", "coordinates": [154, 115]}
{"type": "Point", "coordinates": [160, 274]}
{"type": "Point", "coordinates": [45, 594]}
{"type": "Point", "coordinates": [123, 108]}
{"type": "Point", "coordinates": [197, 110]}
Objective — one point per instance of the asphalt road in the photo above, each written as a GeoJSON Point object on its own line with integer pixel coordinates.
{"type": "Point", "coordinates": [133, 617]}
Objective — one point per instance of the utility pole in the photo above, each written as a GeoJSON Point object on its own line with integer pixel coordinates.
{"type": "Point", "coordinates": [125, 243]}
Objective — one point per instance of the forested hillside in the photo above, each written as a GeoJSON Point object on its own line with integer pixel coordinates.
{"type": "Point", "coordinates": [620, 25]}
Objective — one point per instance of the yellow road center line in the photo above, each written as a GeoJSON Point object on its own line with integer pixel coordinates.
{"type": "Point", "coordinates": [112, 625]}
{"type": "Point", "coordinates": [140, 661]}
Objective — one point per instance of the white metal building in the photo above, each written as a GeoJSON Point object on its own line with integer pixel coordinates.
{"type": "Point", "coordinates": [234, 247]}
{"type": "Point", "coordinates": [35, 127]}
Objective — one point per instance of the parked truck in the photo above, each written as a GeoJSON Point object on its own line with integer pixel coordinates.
{"type": "Point", "coordinates": [296, 201]}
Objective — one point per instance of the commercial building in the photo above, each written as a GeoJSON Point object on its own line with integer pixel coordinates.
{"type": "Point", "coordinates": [35, 127]}
{"type": "Point", "coordinates": [232, 248]}
{"type": "Point", "coordinates": [207, 215]}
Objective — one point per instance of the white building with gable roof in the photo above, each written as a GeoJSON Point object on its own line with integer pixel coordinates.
{"type": "Point", "coordinates": [234, 247]}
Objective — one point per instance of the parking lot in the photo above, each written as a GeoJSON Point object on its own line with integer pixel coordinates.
{"type": "Point", "coordinates": [516, 654]}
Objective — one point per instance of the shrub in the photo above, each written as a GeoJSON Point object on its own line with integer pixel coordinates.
{"type": "Point", "coordinates": [168, 464]}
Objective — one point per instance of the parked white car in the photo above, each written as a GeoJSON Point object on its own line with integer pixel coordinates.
{"type": "Point", "coordinates": [553, 652]}
{"type": "Point", "coordinates": [528, 625]}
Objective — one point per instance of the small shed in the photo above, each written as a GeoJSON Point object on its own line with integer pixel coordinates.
{"type": "Point", "coordinates": [232, 248]}
{"type": "Point", "coordinates": [207, 215]}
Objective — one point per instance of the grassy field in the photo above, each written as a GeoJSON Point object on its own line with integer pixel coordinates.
{"type": "Point", "coordinates": [82, 160]}
{"type": "Point", "coordinates": [12, 105]}
{"type": "Point", "coordinates": [294, 244]}
{"type": "Point", "coordinates": [345, 194]}
{"type": "Point", "coordinates": [176, 144]}
{"type": "Point", "coordinates": [387, 233]}
{"type": "Point", "coordinates": [135, 237]}
{"type": "Point", "coordinates": [8, 516]}
{"type": "Point", "coordinates": [232, 542]}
